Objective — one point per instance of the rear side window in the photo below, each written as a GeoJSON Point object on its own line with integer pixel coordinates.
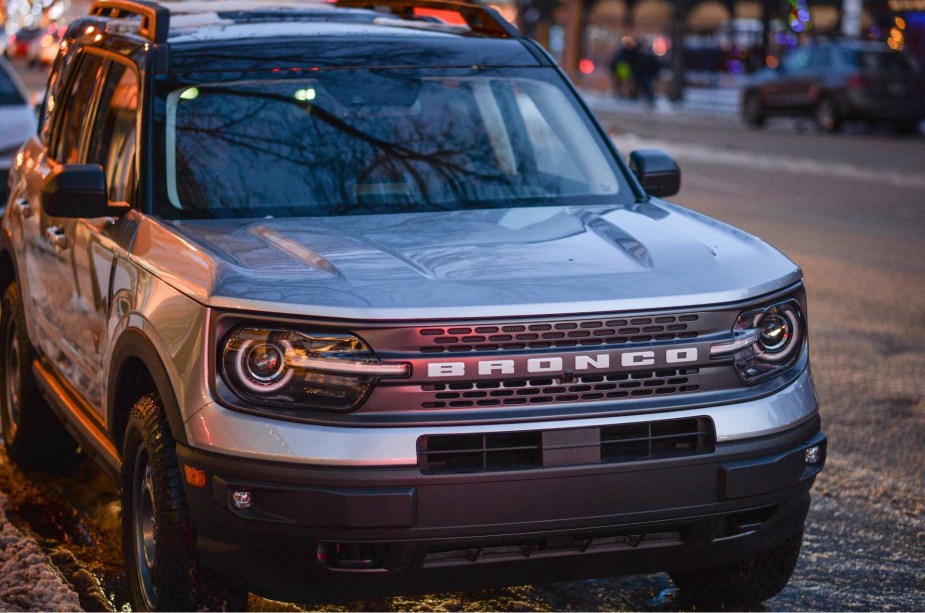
{"type": "Point", "coordinates": [9, 93]}
{"type": "Point", "coordinates": [115, 137]}
{"type": "Point", "coordinates": [76, 106]}
{"type": "Point", "coordinates": [883, 62]}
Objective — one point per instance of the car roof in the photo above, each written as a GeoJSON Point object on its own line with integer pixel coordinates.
{"type": "Point", "coordinates": [241, 35]}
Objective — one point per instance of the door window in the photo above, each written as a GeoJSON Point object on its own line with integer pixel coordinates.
{"type": "Point", "coordinates": [797, 61]}
{"type": "Point", "coordinates": [76, 106]}
{"type": "Point", "coordinates": [115, 132]}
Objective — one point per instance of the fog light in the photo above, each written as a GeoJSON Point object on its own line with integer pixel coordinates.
{"type": "Point", "coordinates": [813, 455]}
{"type": "Point", "coordinates": [243, 499]}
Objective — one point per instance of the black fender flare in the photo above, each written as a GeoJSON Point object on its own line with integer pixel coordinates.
{"type": "Point", "coordinates": [134, 344]}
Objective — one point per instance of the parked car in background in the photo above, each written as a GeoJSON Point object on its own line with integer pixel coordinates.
{"type": "Point", "coordinates": [838, 82]}
{"type": "Point", "coordinates": [44, 49]}
{"type": "Point", "coordinates": [18, 43]}
{"type": "Point", "coordinates": [17, 121]}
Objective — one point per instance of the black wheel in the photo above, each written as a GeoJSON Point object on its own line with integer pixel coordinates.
{"type": "Point", "coordinates": [827, 115]}
{"type": "Point", "coordinates": [157, 533]}
{"type": "Point", "coordinates": [753, 110]}
{"type": "Point", "coordinates": [33, 435]}
{"type": "Point", "coordinates": [742, 584]}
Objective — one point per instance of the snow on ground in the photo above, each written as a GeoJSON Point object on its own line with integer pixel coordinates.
{"type": "Point", "coordinates": [28, 581]}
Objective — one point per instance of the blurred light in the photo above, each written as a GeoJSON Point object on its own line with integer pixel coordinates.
{"type": "Point", "coordinates": [803, 15]}
{"type": "Point", "coordinates": [661, 45]}
{"type": "Point", "coordinates": [875, 32]}
{"type": "Point", "coordinates": [893, 44]}
{"type": "Point", "coordinates": [896, 34]}
{"type": "Point", "coordinates": [90, 30]}
{"type": "Point", "coordinates": [797, 26]}
{"type": "Point", "coordinates": [97, 38]}
{"type": "Point", "coordinates": [586, 66]}
{"type": "Point", "coordinates": [190, 94]}
{"type": "Point", "coordinates": [305, 95]}
{"type": "Point", "coordinates": [47, 40]}
{"type": "Point", "coordinates": [900, 23]}
{"type": "Point", "coordinates": [771, 61]}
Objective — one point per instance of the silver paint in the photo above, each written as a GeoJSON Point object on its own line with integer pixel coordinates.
{"type": "Point", "coordinates": [220, 430]}
{"type": "Point", "coordinates": [464, 264]}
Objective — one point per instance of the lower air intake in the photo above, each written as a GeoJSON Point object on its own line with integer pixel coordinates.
{"type": "Point", "coordinates": [495, 451]}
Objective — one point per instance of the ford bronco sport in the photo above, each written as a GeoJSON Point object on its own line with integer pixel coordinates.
{"type": "Point", "coordinates": [359, 298]}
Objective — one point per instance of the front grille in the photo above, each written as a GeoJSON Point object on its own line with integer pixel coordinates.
{"type": "Point", "coordinates": [547, 391]}
{"type": "Point", "coordinates": [584, 333]}
{"type": "Point", "coordinates": [494, 451]}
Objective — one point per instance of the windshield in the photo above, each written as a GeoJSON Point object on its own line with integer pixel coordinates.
{"type": "Point", "coordinates": [345, 142]}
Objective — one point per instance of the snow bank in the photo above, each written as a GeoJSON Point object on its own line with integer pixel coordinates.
{"type": "Point", "coordinates": [28, 581]}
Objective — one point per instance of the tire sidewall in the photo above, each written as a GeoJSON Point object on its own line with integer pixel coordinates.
{"type": "Point", "coordinates": [6, 321]}
{"type": "Point", "coordinates": [175, 559]}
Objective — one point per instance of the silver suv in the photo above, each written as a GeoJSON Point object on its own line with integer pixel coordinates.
{"type": "Point", "coordinates": [360, 299]}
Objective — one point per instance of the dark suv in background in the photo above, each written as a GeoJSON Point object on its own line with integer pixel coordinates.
{"type": "Point", "coordinates": [838, 82]}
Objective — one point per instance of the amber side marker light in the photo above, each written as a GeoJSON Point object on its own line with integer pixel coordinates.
{"type": "Point", "coordinates": [195, 476]}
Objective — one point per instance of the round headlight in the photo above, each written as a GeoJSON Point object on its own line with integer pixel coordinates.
{"type": "Point", "coordinates": [261, 365]}
{"type": "Point", "coordinates": [774, 333]}
{"type": "Point", "coordinates": [778, 334]}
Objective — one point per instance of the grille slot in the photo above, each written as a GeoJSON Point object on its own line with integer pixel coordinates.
{"type": "Point", "coordinates": [468, 453]}
{"type": "Point", "coordinates": [656, 440]}
{"type": "Point", "coordinates": [480, 452]}
{"type": "Point", "coordinates": [559, 334]}
{"type": "Point", "coordinates": [548, 391]}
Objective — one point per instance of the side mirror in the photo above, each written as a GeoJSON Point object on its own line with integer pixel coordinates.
{"type": "Point", "coordinates": [657, 171]}
{"type": "Point", "coordinates": [78, 190]}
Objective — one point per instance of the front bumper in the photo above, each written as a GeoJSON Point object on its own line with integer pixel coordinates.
{"type": "Point", "coordinates": [346, 533]}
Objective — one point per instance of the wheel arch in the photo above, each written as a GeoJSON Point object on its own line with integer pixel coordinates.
{"type": "Point", "coordinates": [136, 369]}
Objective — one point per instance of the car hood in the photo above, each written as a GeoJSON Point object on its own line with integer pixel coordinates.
{"type": "Point", "coordinates": [494, 263]}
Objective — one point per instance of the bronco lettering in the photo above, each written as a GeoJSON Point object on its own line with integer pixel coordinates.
{"type": "Point", "coordinates": [556, 364]}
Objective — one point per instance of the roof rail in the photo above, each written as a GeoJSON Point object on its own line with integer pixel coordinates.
{"type": "Point", "coordinates": [155, 19]}
{"type": "Point", "coordinates": [480, 19]}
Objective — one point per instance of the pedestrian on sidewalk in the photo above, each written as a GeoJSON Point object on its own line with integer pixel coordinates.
{"type": "Point", "coordinates": [637, 67]}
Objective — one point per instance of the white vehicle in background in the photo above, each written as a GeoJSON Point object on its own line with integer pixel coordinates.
{"type": "Point", "coordinates": [17, 121]}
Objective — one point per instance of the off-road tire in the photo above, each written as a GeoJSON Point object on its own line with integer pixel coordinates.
{"type": "Point", "coordinates": [753, 111]}
{"type": "Point", "coordinates": [742, 584]}
{"type": "Point", "coordinates": [174, 580]}
{"type": "Point", "coordinates": [33, 435]}
{"type": "Point", "coordinates": [827, 115]}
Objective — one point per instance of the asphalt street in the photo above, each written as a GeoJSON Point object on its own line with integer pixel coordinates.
{"type": "Point", "coordinates": [850, 209]}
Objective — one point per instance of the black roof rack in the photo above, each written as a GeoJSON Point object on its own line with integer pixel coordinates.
{"type": "Point", "coordinates": [155, 19]}
{"type": "Point", "coordinates": [480, 19]}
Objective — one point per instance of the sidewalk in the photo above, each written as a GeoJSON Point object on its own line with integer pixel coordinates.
{"type": "Point", "coordinates": [715, 101]}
